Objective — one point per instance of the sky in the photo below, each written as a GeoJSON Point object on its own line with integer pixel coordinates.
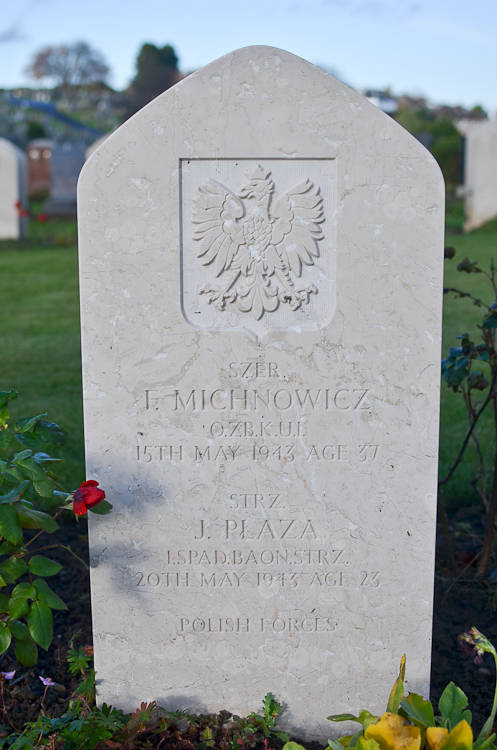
{"type": "Point", "coordinates": [445, 50]}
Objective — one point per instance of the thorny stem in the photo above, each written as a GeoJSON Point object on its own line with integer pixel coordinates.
{"type": "Point", "coordinates": [470, 432]}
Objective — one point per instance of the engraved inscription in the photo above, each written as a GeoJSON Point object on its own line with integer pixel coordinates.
{"type": "Point", "coordinates": [253, 370]}
{"type": "Point", "coordinates": [263, 399]}
{"type": "Point", "coordinates": [194, 579]}
{"type": "Point", "coordinates": [339, 454]}
{"type": "Point", "coordinates": [256, 244]}
{"type": "Point", "coordinates": [280, 624]}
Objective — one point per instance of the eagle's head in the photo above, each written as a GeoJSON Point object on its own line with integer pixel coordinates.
{"type": "Point", "coordinates": [258, 184]}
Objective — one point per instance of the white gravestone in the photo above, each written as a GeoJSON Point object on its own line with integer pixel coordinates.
{"type": "Point", "coordinates": [480, 175]}
{"type": "Point", "coordinates": [261, 281]}
{"type": "Point", "coordinates": [13, 191]}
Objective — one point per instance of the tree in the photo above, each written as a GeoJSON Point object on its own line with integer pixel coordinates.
{"type": "Point", "coordinates": [156, 71]}
{"type": "Point", "coordinates": [69, 65]}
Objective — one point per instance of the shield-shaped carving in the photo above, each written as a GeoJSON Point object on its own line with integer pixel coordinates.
{"type": "Point", "coordinates": [257, 247]}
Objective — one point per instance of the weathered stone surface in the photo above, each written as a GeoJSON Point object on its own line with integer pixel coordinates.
{"type": "Point", "coordinates": [13, 195]}
{"type": "Point", "coordinates": [268, 439]}
{"type": "Point", "coordinates": [481, 175]}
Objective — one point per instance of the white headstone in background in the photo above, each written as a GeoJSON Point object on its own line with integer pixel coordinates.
{"type": "Point", "coordinates": [261, 284]}
{"type": "Point", "coordinates": [480, 175]}
{"type": "Point", "coordinates": [13, 191]}
{"type": "Point", "coordinates": [66, 163]}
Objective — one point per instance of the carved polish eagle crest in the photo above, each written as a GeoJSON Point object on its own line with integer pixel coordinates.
{"type": "Point", "coordinates": [257, 244]}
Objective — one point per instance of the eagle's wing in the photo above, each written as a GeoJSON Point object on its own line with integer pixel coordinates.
{"type": "Point", "coordinates": [216, 213]}
{"type": "Point", "coordinates": [297, 214]}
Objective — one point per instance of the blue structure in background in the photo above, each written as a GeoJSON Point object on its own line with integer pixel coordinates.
{"type": "Point", "coordinates": [51, 110]}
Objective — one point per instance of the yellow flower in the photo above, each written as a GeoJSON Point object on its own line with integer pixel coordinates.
{"type": "Point", "coordinates": [460, 738]}
{"type": "Point", "coordinates": [392, 733]}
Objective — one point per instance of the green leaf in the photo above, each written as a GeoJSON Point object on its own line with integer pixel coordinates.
{"type": "Point", "coordinates": [353, 740]}
{"type": "Point", "coordinates": [35, 519]}
{"type": "Point", "coordinates": [49, 432]}
{"type": "Point", "coordinates": [398, 689]}
{"type": "Point", "coordinates": [6, 575]}
{"type": "Point", "coordinates": [18, 603]}
{"type": "Point", "coordinates": [27, 424]}
{"type": "Point", "coordinates": [44, 458]}
{"type": "Point", "coordinates": [419, 711]}
{"type": "Point", "coordinates": [22, 454]}
{"type": "Point", "coordinates": [6, 548]}
{"type": "Point", "coordinates": [31, 469]}
{"type": "Point", "coordinates": [5, 439]}
{"type": "Point", "coordinates": [27, 438]}
{"type": "Point", "coordinates": [14, 567]}
{"type": "Point", "coordinates": [42, 566]}
{"type": "Point", "coordinates": [9, 524]}
{"type": "Point", "coordinates": [44, 488]}
{"type": "Point", "coordinates": [452, 704]}
{"type": "Point", "coordinates": [5, 637]}
{"type": "Point", "coordinates": [40, 623]}
{"type": "Point", "coordinates": [26, 651]}
{"type": "Point", "coordinates": [490, 322]}
{"type": "Point", "coordinates": [6, 396]}
{"type": "Point", "coordinates": [343, 717]}
{"type": "Point", "coordinates": [101, 509]}
{"type": "Point", "coordinates": [4, 603]}
{"type": "Point", "coordinates": [455, 374]}
{"type": "Point", "coordinates": [15, 494]}
{"type": "Point", "coordinates": [335, 745]}
{"type": "Point", "coordinates": [484, 743]}
{"type": "Point", "coordinates": [13, 474]}
{"type": "Point", "coordinates": [19, 630]}
{"type": "Point", "coordinates": [25, 648]}
{"type": "Point", "coordinates": [46, 595]}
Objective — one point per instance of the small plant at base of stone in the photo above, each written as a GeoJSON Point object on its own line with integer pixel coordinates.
{"type": "Point", "coordinates": [26, 619]}
{"type": "Point", "coordinates": [409, 722]}
{"type": "Point", "coordinates": [85, 726]}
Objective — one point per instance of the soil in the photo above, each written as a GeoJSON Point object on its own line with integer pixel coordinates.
{"type": "Point", "coordinates": [459, 605]}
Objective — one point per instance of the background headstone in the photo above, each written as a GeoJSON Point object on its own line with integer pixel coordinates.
{"type": "Point", "coordinates": [261, 282]}
{"type": "Point", "coordinates": [67, 159]}
{"type": "Point", "coordinates": [13, 192]}
{"type": "Point", "coordinates": [39, 154]}
{"type": "Point", "coordinates": [480, 171]}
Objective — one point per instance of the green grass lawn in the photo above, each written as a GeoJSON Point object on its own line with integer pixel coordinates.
{"type": "Point", "coordinates": [40, 344]}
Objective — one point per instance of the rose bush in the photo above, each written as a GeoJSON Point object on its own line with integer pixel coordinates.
{"type": "Point", "coordinates": [26, 599]}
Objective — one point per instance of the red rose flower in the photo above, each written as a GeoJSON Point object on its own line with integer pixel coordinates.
{"type": "Point", "coordinates": [87, 496]}
{"type": "Point", "coordinates": [42, 218]}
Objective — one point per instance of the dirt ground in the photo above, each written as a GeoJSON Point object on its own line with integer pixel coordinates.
{"type": "Point", "coordinates": [458, 606]}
